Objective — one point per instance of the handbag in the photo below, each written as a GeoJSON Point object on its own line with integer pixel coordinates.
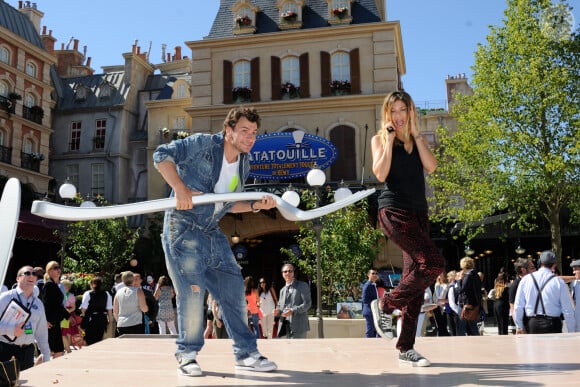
{"type": "Point", "coordinates": [10, 372]}
{"type": "Point", "coordinates": [470, 313]}
{"type": "Point", "coordinates": [74, 319]}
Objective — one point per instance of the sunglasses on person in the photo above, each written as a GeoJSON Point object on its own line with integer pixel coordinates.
{"type": "Point", "coordinates": [287, 271]}
{"type": "Point", "coordinates": [55, 268]}
{"type": "Point", "coordinates": [26, 274]}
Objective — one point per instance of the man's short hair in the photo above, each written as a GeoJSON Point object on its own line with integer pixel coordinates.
{"type": "Point", "coordinates": [39, 272]}
{"type": "Point", "coordinates": [127, 277]}
{"type": "Point", "coordinates": [521, 263]}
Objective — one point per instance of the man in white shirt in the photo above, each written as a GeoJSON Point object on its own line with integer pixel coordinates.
{"type": "Point", "coordinates": [543, 297]}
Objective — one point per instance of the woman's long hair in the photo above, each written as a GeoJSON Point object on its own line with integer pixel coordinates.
{"type": "Point", "coordinates": [249, 282]}
{"type": "Point", "coordinates": [390, 99]}
{"type": "Point", "coordinates": [500, 284]}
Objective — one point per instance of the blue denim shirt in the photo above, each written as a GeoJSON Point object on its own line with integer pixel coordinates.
{"type": "Point", "coordinates": [198, 159]}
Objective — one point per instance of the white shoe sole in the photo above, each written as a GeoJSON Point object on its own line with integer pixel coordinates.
{"type": "Point", "coordinates": [376, 311]}
{"type": "Point", "coordinates": [407, 363]}
{"type": "Point", "coordinates": [270, 368]}
{"type": "Point", "coordinates": [192, 374]}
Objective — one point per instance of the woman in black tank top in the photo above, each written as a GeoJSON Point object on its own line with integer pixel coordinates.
{"type": "Point", "coordinates": [400, 157]}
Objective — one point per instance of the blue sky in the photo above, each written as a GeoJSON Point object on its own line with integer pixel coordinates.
{"type": "Point", "coordinates": [439, 37]}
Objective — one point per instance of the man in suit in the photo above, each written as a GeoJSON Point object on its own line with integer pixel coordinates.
{"type": "Point", "coordinates": [293, 305]}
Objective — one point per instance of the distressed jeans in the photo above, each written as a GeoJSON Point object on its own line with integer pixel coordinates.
{"type": "Point", "coordinates": [198, 260]}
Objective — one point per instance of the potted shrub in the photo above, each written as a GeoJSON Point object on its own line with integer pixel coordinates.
{"type": "Point", "coordinates": [242, 94]}
{"type": "Point", "coordinates": [290, 90]}
{"type": "Point", "coordinates": [243, 21]}
{"type": "Point", "coordinates": [340, 87]}
{"type": "Point", "coordinates": [289, 16]}
{"type": "Point", "coordinates": [340, 12]}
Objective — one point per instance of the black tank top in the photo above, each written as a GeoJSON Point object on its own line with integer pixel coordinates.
{"type": "Point", "coordinates": [405, 184]}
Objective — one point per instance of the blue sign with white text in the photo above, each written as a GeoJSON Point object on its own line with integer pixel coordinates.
{"type": "Point", "coordinates": [288, 155]}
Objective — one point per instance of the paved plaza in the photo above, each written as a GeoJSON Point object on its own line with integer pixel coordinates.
{"type": "Point", "coordinates": [491, 360]}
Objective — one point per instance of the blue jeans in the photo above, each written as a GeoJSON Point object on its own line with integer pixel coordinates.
{"type": "Point", "coordinates": [200, 260]}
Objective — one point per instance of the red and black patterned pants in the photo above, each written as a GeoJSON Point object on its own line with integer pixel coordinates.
{"type": "Point", "coordinates": [422, 263]}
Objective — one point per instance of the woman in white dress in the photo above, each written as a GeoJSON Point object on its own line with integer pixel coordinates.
{"type": "Point", "coordinates": [268, 301]}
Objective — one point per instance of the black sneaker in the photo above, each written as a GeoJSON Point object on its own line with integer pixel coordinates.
{"type": "Point", "coordinates": [412, 358]}
{"type": "Point", "coordinates": [383, 322]}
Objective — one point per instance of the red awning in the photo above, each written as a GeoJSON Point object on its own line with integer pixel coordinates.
{"type": "Point", "coordinates": [35, 228]}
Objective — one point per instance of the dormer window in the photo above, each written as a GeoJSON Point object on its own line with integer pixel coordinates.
{"type": "Point", "coordinates": [290, 13]}
{"type": "Point", "coordinates": [244, 17]}
{"type": "Point", "coordinates": [105, 90]}
{"type": "Point", "coordinates": [339, 11]}
{"type": "Point", "coordinates": [81, 94]}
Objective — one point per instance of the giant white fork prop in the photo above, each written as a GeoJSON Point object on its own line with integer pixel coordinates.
{"type": "Point", "coordinates": [288, 211]}
{"type": "Point", "coordinates": [9, 212]}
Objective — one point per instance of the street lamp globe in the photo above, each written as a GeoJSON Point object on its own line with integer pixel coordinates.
{"type": "Point", "coordinates": [315, 177]}
{"type": "Point", "coordinates": [342, 193]}
{"type": "Point", "coordinates": [67, 190]}
{"type": "Point", "coordinates": [291, 197]}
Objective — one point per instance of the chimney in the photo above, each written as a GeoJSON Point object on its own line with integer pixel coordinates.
{"type": "Point", "coordinates": [457, 85]}
{"type": "Point", "coordinates": [178, 53]}
{"type": "Point", "coordinates": [32, 13]}
{"type": "Point", "coordinates": [47, 40]}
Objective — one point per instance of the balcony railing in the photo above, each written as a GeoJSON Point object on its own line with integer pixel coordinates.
{"type": "Point", "coordinates": [34, 113]}
{"type": "Point", "coordinates": [6, 104]}
{"type": "Point", "coordinates": [30, 161]}
{"type": "Point", "coordinates": [5, 154]}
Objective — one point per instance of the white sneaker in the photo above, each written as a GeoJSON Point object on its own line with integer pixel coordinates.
{"type": "Point", "coordinates": [256, 362]}
{"type": "Point", "coordinates": [189, 367]}
{"type": "Point", "coordinates": [383, 322]}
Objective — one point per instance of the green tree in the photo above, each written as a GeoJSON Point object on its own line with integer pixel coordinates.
{"type": "Point", "coordinates": [517, 147]}
{"type": "Point", "coordinates": [101, 247]}
{"type": "Point", "coordinates": [348, 246]}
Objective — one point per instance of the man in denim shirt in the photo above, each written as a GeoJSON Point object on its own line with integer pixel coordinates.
{"type": "Point", "coordinates": [197, 253]}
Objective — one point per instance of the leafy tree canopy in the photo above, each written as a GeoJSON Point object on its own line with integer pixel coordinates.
{"type": "Point", "coordinates": [517, 148]}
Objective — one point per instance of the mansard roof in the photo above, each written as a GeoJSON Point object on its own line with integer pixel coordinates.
{"type": "Point", "coordinates": [69, 86]}
{"type": "Point", "coordinates": [314, 15]}
{"type": "Point", "coordinates": [19, 24]}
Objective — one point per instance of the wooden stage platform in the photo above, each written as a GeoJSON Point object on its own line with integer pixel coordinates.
{"type": "Point", "coordinates": [529, 360]}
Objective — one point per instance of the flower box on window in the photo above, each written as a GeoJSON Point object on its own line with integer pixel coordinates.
{"type": "Point", "coordinates": [340, 87]}
{"type": "Point", "coordinates": [289, 16]}
{"type": "Point", "coordinates": [290, 91]}
{"type": "Point", "coordinates": [37, 156]}
{"type": "Point", "coordinates": [243, 21]}
{"type": "Point", "coordinates": [180, 135]}
{"type": "Point", "coordinates": [340, 12]}
{"type": "Point", "coordinates": [242, 94]}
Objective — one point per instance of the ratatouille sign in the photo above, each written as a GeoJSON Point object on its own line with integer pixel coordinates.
{"type": "Point", "coordinates": [288, 155]}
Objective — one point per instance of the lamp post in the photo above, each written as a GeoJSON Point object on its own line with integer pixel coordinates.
{"type": "Point", "coordinates": [67, 191]}
{"type": "Point", "coordinates": [316, 179]}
